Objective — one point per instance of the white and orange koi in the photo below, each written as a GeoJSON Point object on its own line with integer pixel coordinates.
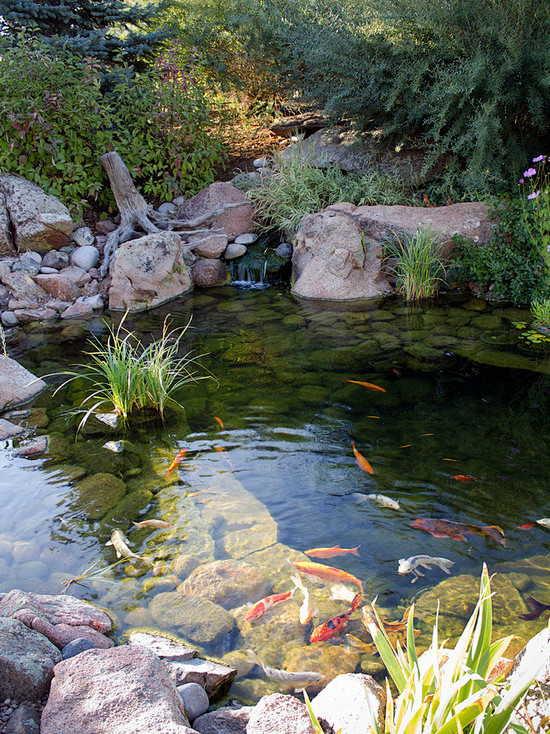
{"type": "Point", "coordinates": [308, 610]}
{"type": "Point", "coordinates": [261, 607]}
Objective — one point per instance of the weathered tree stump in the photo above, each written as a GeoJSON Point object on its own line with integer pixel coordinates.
{"type": "Point", "coordinates": [135, 214]}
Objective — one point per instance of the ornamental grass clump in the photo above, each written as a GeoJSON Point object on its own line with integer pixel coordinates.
{"type": "Point", "coordinates": [541, 312]}
{"type": "Point", "coordinates": [452, 690]}
{"type": "Point", "coordinates": [124, 375]}
{"type": "Point", "coordinates": [419, 266]}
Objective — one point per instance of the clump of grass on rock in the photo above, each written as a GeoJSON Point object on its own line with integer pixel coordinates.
{"type": "Point", "coordinates": [419, 266]}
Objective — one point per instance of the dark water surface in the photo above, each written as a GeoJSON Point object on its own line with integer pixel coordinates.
{"type": "Point", "coordinates": [458, 369]}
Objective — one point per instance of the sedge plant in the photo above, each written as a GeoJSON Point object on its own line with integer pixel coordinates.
{"type": "Point", "coordinates": [451, 690]}
{"type": "Point", "coordinates": [541, 312]}
{"type": "Point", "coordinates": [419, 265]}
{"type": "Point", "coordinates": [124, 375]}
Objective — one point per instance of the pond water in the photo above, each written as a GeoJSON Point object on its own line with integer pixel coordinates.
{"type": "Point", "coordinates": [466, 393]}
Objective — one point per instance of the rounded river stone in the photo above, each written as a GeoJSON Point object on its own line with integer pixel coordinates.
{"type": "Point", "coordinates": [98, 494]}
{"type": "Point", "coordinates": [194, 618]}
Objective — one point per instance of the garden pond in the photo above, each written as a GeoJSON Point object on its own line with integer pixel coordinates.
{"type": "Point", "coordinates": [467, 393]}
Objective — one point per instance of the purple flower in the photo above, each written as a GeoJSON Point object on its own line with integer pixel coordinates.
{"type": "Point", "coordinates": [530, 172]}
{"type": "Point", "coordinates": [522, 180]}
{"type": "Point", "coordinates": [538, 159]}
{"type": "Point", "coordinates": [547, 248]}
{"type": "Point", "coordinates": [533, 195]}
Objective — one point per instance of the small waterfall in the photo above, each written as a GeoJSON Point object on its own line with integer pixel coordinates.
{"type": "Point", "coordinates": [261, 266]}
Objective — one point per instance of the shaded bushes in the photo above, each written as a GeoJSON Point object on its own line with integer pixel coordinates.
{"type": "Point", "coordinates": [55, 122]}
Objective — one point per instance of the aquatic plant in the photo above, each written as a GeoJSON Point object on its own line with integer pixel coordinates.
{"type": "Point", "coordinates": [296, 187]}
{"type": "Point", "coordinates": [317, 728]}
{"type": "Point", "coordinates": [125, 375]}
{"type": "Point", "coordinates": [419, 265]}
{"type": "Point", "coordinates": [447, 690]}
{"type": "Point", "coordinates": [541, 311]}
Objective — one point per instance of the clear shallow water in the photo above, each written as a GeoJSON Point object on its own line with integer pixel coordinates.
{"type": "Point", "coordinates": [458, 369]}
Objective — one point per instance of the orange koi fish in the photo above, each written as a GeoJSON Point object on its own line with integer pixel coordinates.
{"type": "Point", "coordinates": [367, 385]}
{"type": "Point", "coordinates": [331, 552]}
{"type": "Point", "coordinates": [389, 627]}
{"type": "Point", "coordinates": [457, 530]}
{"type": "Point", "coordinates": [466, 478]}
{"type": "Point", "coordinates": [219, 420]}
{"type": "Point", "coordinates": [527, 525]}
{"type": "Point", "coordinates": [362, 463]}
{"type": "Point", "coordinates": [335, 625]}
{"type": "Point", "coordinates": [180, 456]}
{"type": "Point", "coordinates": [261, 607]}
{"type": "Point", "coordinates": [326, 573]}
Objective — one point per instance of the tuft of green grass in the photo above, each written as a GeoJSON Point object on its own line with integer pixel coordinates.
{"type": "Point", "coordinates": [541, 311]}
{"type": "Point", "coordinates": [296, 188]}
{"type": "Point", "coordinates": [124, 375]}
{"type": "Point", "coordinates": [419, 265]}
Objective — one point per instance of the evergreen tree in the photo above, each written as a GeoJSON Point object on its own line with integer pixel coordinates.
{"type": "Point", "coordinates": [98, 28]}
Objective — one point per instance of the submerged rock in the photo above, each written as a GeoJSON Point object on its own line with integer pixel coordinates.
{"type": "Point", "coordinates": [98, 494]}
{"type": "Point", "coordinates": [327, 659]}
{"type": "Point", "coordinates": [228, 583]}
{"type": "Point", "coordinates": [194, 618]}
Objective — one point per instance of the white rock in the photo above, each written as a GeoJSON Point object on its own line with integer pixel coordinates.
{"type": "Point", "coordinates": [8, 430]}
{"type": "Point", "coordinates": [48, 271]}
{"type": "Point", "coordinates": [195, 700]}
{"type": "Point", "coordinates": [8, 319]}
{"type": "Point", "coordinates": [85, 257]}
{"type": "Point", "coordinates": [351, 703]}
{"type": "Point", "coordinates": [84, 237]}
{"type": "Point", "coordinates": [279, 714]}
{"type": "Point", "coordinates": [246, 239]}
{"type": "Point", "coordinates": [167, 207]}
{"type": "Point", "coordinates": [96, 302]}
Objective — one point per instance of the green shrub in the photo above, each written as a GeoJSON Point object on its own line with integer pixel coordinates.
{"type": "Point", "coordinates": [296, 188]}
{"type": "Point", "coordinates": [419, 265]}
{"type": "Point", "coordinates": [125, 375]}
{"type": "Point", "coordinates": [463, 77]}
{"type": "Point", "coordinates": [55, 122]}
{"type": "Point", "coordinates": [511, 266]}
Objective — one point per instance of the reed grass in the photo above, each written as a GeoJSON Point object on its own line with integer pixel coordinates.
{"type": "Point", "coordinates": [124, 375]}
{"type": "Point", "coordinates": [419, 264]}
{"type": "Point", "coordinates": [541, 311]}
{"type": "Point", "coordinates": [296, 188]}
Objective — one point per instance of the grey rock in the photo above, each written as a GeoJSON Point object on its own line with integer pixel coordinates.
{"type": "Point", "coordinates": [332, 259]}
{"type": "Point", "coordinates": [285, 249]}
{"type": "Point", "coordinates": [17, 385]}
{"type": "Point", "coordinates": [75, 647]}
{"type": "Point", "coordinates": [213, 677]}
{"type": "Point", "coordinates": [95, 302]}
{"type": "Point", "coordinates": [27, 659]}
{"type": "Point", "coordinates": [125, 690]}
{"type": "Point", "coordinates": [233, 251]}
{"type": "Point", "coordinates": [85, 257]}
{"type": "Point", "coordinates": [147, 272]}
{"type": "Point", "coordinates": [47, 271]}
{"type": "Point", "coordinates": [224, 721]}
{"type": "Point", "coordinates": [246, 239]}
{"type": "Point", "coordinates": [210, 246]}
{"type": "Point", "coordinates": [55, 259]}
{"type": "Point", "coordinates": [178, 201]}
{"type": "Point", "coordinates": [280, 714]}
{"type": "Point", "coordinates": [29, 262]}
{"type": "Point", "coordinates": [79, 309]}
{"type": "Point", "coordinates": [105, 226]}
{"type": "Point", "coordinates": [24, 720]}
{"type": "Point", "coordinates": [195, 700]}
{"type": "Point", "coordinates": [8, 430]}
{"type": "Point", "coordinates": [260, 163]}
{"type": "Point", "coordinates": [167, 208]}
{"type": "Point", "coordinates": [83, 237]}
{"type": "Point", "coordinates": [8, 319]}
{"type": "Point", "coordinates": [77, 275]}
{"type": "Point", "coordinates": [39, 222]}
{"type": "Point", "coordinates": [196, 619]}
{"type": "Point", "coordinates": [167, 649]}
{"type": "Point", "coordinates": [36, 447]}
{"type": "Point", "coordinates": [353, 703]}
{"type": "Point", "coordinates": [30, 315]}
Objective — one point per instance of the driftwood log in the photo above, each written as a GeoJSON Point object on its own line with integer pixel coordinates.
{"type": "Point", "coordinates": [136, 217]}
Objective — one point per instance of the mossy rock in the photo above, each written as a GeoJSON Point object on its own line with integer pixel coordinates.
{"type": "Point", "coordinates": [125, 512]}
{"type": "Point", "coordinates": [69, 472]}
{"type": "Point", "coordinates": [196, 619]}
{"type": "Point", "coordinates": [475, 304]}
{"type": "Point", "coordinates": [487, 321]}
{"type": "Point", "coordinates": [97, 494]}
{"type": "Point", "coordinates": [59, 446]}
{"type": "Point", "coordinates": [95, 458]}
{"type": "Point", "coordinates": [312, 393]}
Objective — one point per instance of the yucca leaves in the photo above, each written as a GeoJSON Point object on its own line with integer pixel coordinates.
{"type": "Point", "coordinates": [450, 691]}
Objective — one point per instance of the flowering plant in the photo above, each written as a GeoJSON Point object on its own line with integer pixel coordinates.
{"type": "Point", "coordinates": [535, 190]}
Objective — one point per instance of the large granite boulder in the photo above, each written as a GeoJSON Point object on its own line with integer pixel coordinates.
{"type": "Point", "coordinates": [147, 272]}
{"type": "Point", "coordinates": [125, 690]}
{"type": "Point", "coordinates": [366, 154]}
{"type": "Point", "coordinates": [58, 286]}
{"type": "Point", "coordinates": [26, 661]}
{"type": "Point", "coordinates": [17, 385]}
{"type": "Point", "coordinates": [235, 221]}
{"type": "Point", "coordinates": [279, 714]}
{"type": "Point", "coordinates": [22, 287]}
{"type": "Point", "coordinates": [333, 259]}
{"type": "Point", "coordinates": [30, 219]}
{"type": "Point", "coordinates": [352, 704]}
{"type": "Point", "coordinates": [467, 219]}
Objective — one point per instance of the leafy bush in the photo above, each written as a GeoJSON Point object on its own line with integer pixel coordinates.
{"type": "Point", "coordinates": [296, 188]}
{"type": "Point", "coordinates": [125, 375]}
{"type": "Point", "coordinates": [55, 122]}
{"type": "Point", "coordinates": [463, 77]}
{"type": "Point", "coordinates": [446, 690]}
{"type": "Point", "coordinates": [419, 266]}
{"type": "Point", "coordinates": [511, 265]}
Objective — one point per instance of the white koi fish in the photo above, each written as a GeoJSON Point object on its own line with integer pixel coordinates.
{"type": "Point", "coordinates": [308, 610]}
{"type": "Point", "coordinates": [298, 680]}
{"type": "Point", "coordinates": [152, 524]}
{"type": "Point", "coordinates": [544, 521]}
{"type": "Point", "coordinates": [120, 543]}
{"type": "Point", "coordinates": [410, 565]}
{"type": "Point", "coordinates": [384, 501]}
